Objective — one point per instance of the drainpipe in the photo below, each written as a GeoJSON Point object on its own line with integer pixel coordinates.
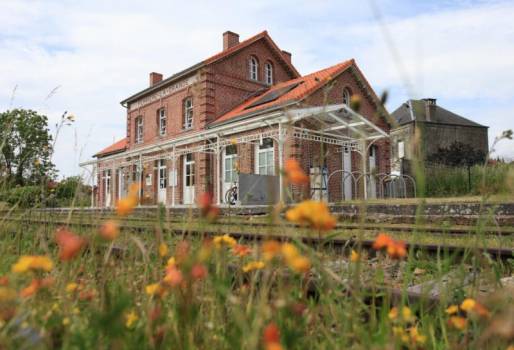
{"type": "Point", "coordinates": [280, 162]}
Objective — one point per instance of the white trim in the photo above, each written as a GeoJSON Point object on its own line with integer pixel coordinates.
{"type": "Point", "coordinates": [258, 151]}
{"type": "Point", "coordinates": [162, 117]}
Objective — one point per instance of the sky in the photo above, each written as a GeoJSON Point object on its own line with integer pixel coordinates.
{"type": "Point", "coordinates": [85, 56]}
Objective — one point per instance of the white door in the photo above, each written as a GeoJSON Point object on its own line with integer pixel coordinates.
{"type": "Point", "coordinates": [189, 179]}
{"type": "Point", "coordinates": [107, 187]}
{"type": "Point", "coordinates": [347, 178]}
{"type": "Point", "coordinates": [372, 190]}
{"type": "Point", "coordinates": [229, 169]}
{"type": "Point", "coordinates": [161, 181]}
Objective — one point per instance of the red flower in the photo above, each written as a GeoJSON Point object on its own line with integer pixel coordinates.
{"type": "Point", "coordinates": [69, 244]}
{"type": "Point", "coordinates": [271, 334]}
{"type": "Point", "coordinates": [241, 250]}
{"type": "Point", "coordinates": [198, 272]}
{"type": "Point", "coordinates": [207, 208]}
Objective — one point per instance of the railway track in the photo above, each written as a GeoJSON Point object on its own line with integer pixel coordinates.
{"type": "Point", "coordinates": [333, 242]}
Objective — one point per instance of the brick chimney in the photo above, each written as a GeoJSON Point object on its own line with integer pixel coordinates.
{"type": "Point", "coordinates": [287, 55]}
{"type": "Point", "coordinates": [430, 105]}
{"type": "Point", "coordinates": [230, 39]}
{"type": "Point", "coordinates": [155, 78]}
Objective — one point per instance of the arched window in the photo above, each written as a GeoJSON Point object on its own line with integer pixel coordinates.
{"type": "Point", "coordinates": [188, 112]}
{"type": "Point", "coordinates": [254, 68]}
{"type": "Point", "coordinates": [346, 97]}
{"type": "Point", "coordinates": [268, 73]}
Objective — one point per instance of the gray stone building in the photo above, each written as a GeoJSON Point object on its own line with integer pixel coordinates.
{"type": "Point", "coordinates": [433, 127]}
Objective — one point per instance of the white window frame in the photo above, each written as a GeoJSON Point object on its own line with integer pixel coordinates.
{"type": "Point", "coordinates": [269, 169]}
{"type": "Point", "coordinates": [188, 113]}
{"type": "Point", "coordinates": [139, 129]}
{"type": "Point", "coordinates": [254, 68]}
{"type": "Point", "coordinates": [346, 96]}
{"type": "Point", "coordinates": [268, 73]}
{"type": "Point", "coordinates": [162, 121]}
{"type": "Point", "coordinates": [401, 149]}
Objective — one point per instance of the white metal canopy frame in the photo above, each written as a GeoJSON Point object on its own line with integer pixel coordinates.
{"type": "Point", "coordinates": [337, 125]}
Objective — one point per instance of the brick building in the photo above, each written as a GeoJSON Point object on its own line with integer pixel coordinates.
{"type": "Point", "coordinates": [243, 112]}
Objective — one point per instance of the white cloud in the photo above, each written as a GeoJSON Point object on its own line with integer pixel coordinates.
{"type": "Point", "coordinates": [99, 53]}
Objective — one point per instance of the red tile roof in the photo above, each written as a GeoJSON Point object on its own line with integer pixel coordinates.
{"type": "Point", "coordinates": [117, 147]}
{"type": "Point", "coordinates": [307, 85]}
{"type": "Point", "coordinates": [247, 42]}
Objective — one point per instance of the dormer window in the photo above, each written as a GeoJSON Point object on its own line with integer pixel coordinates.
{"type": "Point", "coordinates": [188, 113]}
{"type": "Point", "coordinates": [161, 121]}
{"type": "Point", "coordinates": [346, 97]}
{"type": "Point", "coordinates": [268, 73]}
{"type": "Point", "coordinates": [254, 69]}
{"type": "Point", "coordinates": [139, 129]}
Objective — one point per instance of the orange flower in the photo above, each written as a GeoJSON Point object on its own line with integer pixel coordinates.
{"type": "Point", "coordinates": [109, 230]}
{"type": "Point", "coordinates": [69, 244]}
{"type": "Point", "coordinates": [395, 249]}
{"type": "Point", "coordinates": [271, 337]}
{"type": "Point", "coordinates": [313, 213]}
{"type": "Point", "coordinates": [31, 289]}
{"type": "Point", "coordinates": [382, 241]}
{"type": "Point", "coordinates": [207, 209]}
{"type": "Point", "coordinates": [4, 281]}
{"type": "Point", "coordinates": [270, 249]}
{"type": "Point", "coordinates": [300, 264]}
{"type": "Point", "coordinates": [126, 205]}
{"type": "Point", "coordinates": [241, 250]}
{"type": "Point", "coordinates": [198, 272]}
{"type": "Point", "coordinates": [458, 322]}
{"type": "Point", "coordinates": [173, 276]}
{"type": "Point", "coordinates": [294, 172]}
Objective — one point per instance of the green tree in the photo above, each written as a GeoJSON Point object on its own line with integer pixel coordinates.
{"type": "Point", "coordinates": [25, 148]}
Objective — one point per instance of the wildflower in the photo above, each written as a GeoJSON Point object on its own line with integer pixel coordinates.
{"type": "Point", "coordinates": [294, 173]}
{"type": "Point", "coordinates": [153, 288]}
{"type": "Point", "coordinates": [300, 264]}
{"type": "Point", "coordinates": [452, 309]}
{"type": "Point", "coordinates": [468, 304]}
{"type": "Point", "coordinates": [71, 287]}
{"type": "Point", "coordinates": [4, 281]}
{"type": "Point", "coordinates": [207, 209]}
{"type": "Point", "coordinates": [395, 249]}
{"type": "Point", "coordinates": [31, 289]}
{"type": "Point", "coordinates": [87, 295]}
{"type": "Point", "coordinates": [271, 337]}
{"type": "Point", "coordinates": [65, 321]}
{"type": "Point", "coordinates": [254, 265]}
{"type": "Point", "coordinates": [182, 251]}
{"type": "Point", "coordinates": [163, 250]}
{"type": "Point", "coordinates": [406, 314]}
{"type": "Point", "coordinates": [173, 276]}
{"type": "Point", "coordinates": [313, 213]}
{"type": "Point", "coordinates": [382, 241]}
{"type": "Point", "coordinates": [70, 117]}
{"type": "Point", "coordinates": [205, 251]}
{"type": "Point", "coordinates": [109, 230]}
{"type": "Point", "coordinates": [198, 272]}
{"type": "Point", "coordinates": [416, 337]}
{"type": "Point", "coordinates": [354, 256]}
{"type": "Point", "coordinates": [289, 251]}
{"type": "Point", "coordinates": [130, 319]}
{"type": "Point", "coordinates": [241, 250]}
{"type": "Point", "coordinates": [270, 249]}
{"type": "Point", "coordinates": [171, 262]}
{"type": "Point", "coordinates": [458, 322]}
{"type": "Point", "coordinates": [224, 240]}
{"type": "Point", "coordinates": [69, 244]}
{"type": "Point", "coordinates": [126, 205]}
{"type": "Point", "coordinates": [32, 263]}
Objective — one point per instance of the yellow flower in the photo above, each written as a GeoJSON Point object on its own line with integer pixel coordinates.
{"type": "Point", "coordinates": [34, 263]}
{"type": "Point", "coordinates": [130, 319]}
{"type": "Point", "coordinates": [163, 249]}
{"type": "Point", "coordinates": [416, 337]}
{"type": "Point", "coordinates": [254, 265]}
{"type": "Point", "coordinates": [300, 264]}
{"type": "Point", "coordinates": [65, 321]}
{"type": "Point", "coordinates": [171, 262]}
{"type": "Point", "coordinates": [289, 251]}
{"type": "Point", "coordinates": [452, 309]}
{"type": "Point", "coordinates": [71, 287]}
{"type": "Point", "coordinates": [313, 213]}
{"type": "Point", "coordinates": [458, 322]}
{"type": "Point", "coordinates": [224, 240]}
{"type": "Point", "coordinates": [406, 314]}
{"type": "Point", "coordinates": [152, 289]}
{"type": "Point", "coordinates": [393, 314]}
{"type": "Point", "coordinates": [354, 256]}
{"type": "Point", "coordinates": [468, 304]}
{"type": "Point", "coordinates": [270, 249]}
{"type": "Point", "coordinates": [75, 311]}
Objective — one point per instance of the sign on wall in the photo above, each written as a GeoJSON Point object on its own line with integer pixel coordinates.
{"type": "Point", "coordinates": [163, 93]}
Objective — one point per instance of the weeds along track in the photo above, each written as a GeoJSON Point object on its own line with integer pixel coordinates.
{"type": "Point", "coordinates": [252, 232]}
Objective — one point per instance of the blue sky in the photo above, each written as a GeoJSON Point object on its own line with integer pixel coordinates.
{"type": "Point", "coordinates": [98, 52]}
